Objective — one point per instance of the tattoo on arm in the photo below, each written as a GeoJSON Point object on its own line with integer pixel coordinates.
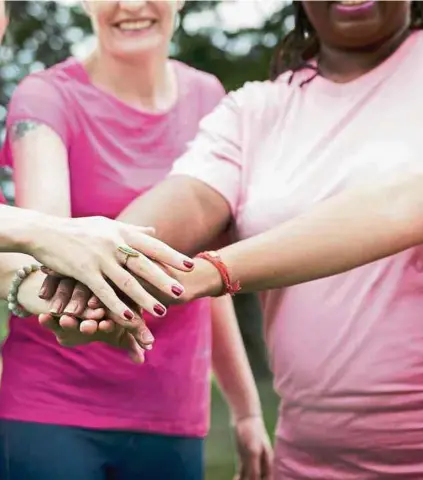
{"type": "Point", "coordinates": [20, 129]}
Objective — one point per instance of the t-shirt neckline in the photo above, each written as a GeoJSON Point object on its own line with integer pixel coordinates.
{"type": "Point", "coordinates": [84, 77]}
{"type": "Point", "coordinates": [329, 87]}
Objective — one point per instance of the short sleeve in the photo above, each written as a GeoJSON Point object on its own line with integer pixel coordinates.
{"type": "Point", "coordinates": [214, 156]}
{"type": "Point", "coordinates": [40, 100]}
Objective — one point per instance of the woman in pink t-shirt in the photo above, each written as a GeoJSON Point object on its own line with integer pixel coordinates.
{"type": "Point", "coordinates": [86, 139]}
{"type": "Point", "coordinates": [344, 114]}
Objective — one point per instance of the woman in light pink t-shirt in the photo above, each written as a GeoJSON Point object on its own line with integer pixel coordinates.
{"type": "Point", "coordinates": [343, 118]}
{"type": "Point", "coordinates": [85, 139]}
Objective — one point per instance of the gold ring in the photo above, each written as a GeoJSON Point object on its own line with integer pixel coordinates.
{"type": "Point", "coordinates": [128, 251]}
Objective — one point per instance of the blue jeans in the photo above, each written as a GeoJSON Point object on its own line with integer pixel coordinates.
{"type": "Point", "coordinates": [35, 451]}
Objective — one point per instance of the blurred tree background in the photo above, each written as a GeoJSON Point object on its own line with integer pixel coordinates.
{"type": "Point", "coordinates": [42, 33]}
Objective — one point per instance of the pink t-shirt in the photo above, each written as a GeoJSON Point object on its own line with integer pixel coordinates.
{"type": "Point", "coordinates": [346, 351]}
{"type": "Point", "coordinates": [115, 153]}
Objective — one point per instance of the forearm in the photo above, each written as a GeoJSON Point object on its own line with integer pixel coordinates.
{"type": "Point", "coordinates": [230, 362]}
{"type": "Point", "coordinates": [352, 229]}
{"type": "Point", "coordinates": [186, 213]}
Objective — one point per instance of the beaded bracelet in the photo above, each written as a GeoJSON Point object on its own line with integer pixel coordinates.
{"type": "Point", "coordinates": [12, 298]}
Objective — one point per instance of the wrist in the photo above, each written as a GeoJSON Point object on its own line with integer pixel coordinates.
{"type": "Point", "coordinates": [236, 419]}
{"type": "Point", "coordinates": [25, 234]}
{"type": "Point", "coordinates": [28, 294]}
{"type": "Point", "coordinates": [205, 279]}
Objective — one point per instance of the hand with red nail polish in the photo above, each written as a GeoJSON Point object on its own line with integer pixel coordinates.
{"type": "Point", "coordinates": [97, 262]}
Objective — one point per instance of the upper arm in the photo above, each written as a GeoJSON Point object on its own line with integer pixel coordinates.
{"type": "Point", "coordinates": [215, 156]}
{"type": "Point", "coordinates": [196, 202]}
{"type": "Point", "coordinates": [36, 142]}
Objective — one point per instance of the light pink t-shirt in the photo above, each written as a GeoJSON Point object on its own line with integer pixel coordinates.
{"type": "Point", "coordinates": [115, 153]}
{"type": "Point", "coordinates": [346, 351]}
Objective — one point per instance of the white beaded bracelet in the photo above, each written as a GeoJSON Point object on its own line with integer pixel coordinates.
{"type": "Point", "coordinates": [12, 298]}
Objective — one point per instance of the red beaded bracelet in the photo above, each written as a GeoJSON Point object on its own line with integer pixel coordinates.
{"type": "Point", "coordinates": [229, 288]}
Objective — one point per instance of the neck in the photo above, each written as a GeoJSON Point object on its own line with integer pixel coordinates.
{"type": "Point", "coordinates": [341, 65]}
{"type": "Point", "coordinates": [147, 84]}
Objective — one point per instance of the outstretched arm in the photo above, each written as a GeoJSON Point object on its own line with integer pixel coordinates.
{"type": "Point", "coordinates": [354, 228]}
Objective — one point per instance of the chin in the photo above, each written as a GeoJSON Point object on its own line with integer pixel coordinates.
{"type": "Point", "coordinates": [365, 35]}
{"type": "Point", "coordinates": [141, 49]}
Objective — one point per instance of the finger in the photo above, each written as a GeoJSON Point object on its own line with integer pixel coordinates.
{"type": "Point", "coordinates": [159, 251]}
{"type": "Point", "coordinates": [78, 302]}
{"type": "Point", "coordinates": [49, 287]}
{"type": "Point", "coordinates": [93, 314]}
{"type": "Point", "coordinates": [135, 351]}
{"type": "Point", "coordinates": [67, 322]}
{"type": "Point", "coordinates": [107, 326]}
{"type": "Point", "coordinates": [267, 463]}
{"type": "Point", "coordinates": [88, 327]}
{"type": "Point", "coordinates": [150, 272]}
{"type": "Point", "coordinates": [131, 287]}
{"type": "Point", "coordinates": [124, 316]}
{"type": "Point", "coordinates": [47, 320]}
{"type": "Point", "coordinates": [253, 467]}
{"type": "Point", "coordinates": [142, 334]}
{"type": "Point", "coordinates": [62, 296]}
{"type": "Point", "coordinates": [94, 302]}
{"type": "Point", "coordinates": [242, 475]}
{"type": "Point", "coordinates": [52, 273]}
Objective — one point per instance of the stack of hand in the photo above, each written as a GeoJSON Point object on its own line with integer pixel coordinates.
{"type": "Point", "coordinates": [101, 276]}
{"type": "Point", "coordinates": [78, 317]}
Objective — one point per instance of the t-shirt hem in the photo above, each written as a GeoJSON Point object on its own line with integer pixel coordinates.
{"type": "Point", "coordinates": [101, 422]}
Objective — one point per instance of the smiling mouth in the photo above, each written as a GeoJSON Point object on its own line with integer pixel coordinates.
{"type": "Point", "coordinates": [353, 3]}
{"type": "Point", "coordinates": [135, 25]}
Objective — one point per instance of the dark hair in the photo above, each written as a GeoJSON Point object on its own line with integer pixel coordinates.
{"type": "Point", "coordinates": [301, 44]}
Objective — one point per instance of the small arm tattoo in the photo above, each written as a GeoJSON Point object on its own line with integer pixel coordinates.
{"type": "Point", "coordinates": [20, 129]}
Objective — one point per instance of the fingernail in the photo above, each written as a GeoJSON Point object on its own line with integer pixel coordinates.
{"type": "Point", "coordinates": [148, 347]}
{"type": "Point", "coordinates": [56, 307]}
{"type": "Point", "coordinates": [128, 315]}
{"type": "Point", "coordinates": [177, 290]}
{"type": "Point", "coordinates": [42, 293]}
{"type": "Point", "coordinates": [188, 264]}
{"type": "Point", "coordinates": [147, 338]}
{"type": "Point", "coordinates": [71, 309]}
{"type": "Point", "coordinates": [159, 309]}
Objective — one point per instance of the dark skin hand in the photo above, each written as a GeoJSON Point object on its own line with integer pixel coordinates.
{"type": "Point", "coordinates": [69, 299]}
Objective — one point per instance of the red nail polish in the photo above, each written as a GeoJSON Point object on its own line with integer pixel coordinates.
{"type": "Point", "coordinates": [177, 290]}
{"type": "Point", "coordinates": [159, 310]}
{"type": "Point", "coordinates": [188, 264]}
{"type": "Point", "coordinates": [128, 314]}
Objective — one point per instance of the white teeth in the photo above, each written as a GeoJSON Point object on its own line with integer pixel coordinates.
{"type": "Point", "coordinates": [138, 25]}
{"type": "Point", "coordinates": [353, 2]}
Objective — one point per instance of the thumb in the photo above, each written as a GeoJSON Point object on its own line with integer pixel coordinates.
{"type": "Point", "coordinates": [136, 353]}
